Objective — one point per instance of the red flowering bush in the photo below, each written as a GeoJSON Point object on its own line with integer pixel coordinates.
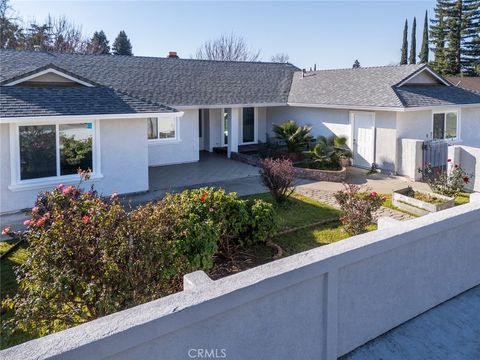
{"type": "Point", "coordinates": [449, 183]}
{"type": "Point", "coordinates": [278, 175]}
{"type": "Point", "coordinates": [88, 257]}
{"type": "Point", "coordinates": [357, 208]}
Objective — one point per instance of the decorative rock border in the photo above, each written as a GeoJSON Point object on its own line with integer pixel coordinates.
{"type": "Point", "coordinates": [322, 175]}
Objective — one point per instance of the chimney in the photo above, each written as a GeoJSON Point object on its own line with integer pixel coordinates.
{"type": "Point", "coordinates": [172, 54]}
{"type": "Point", "coordinates": [303, 73]}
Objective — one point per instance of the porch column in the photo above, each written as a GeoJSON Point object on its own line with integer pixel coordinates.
{"type": "Point", "coordinates": [233, 131]}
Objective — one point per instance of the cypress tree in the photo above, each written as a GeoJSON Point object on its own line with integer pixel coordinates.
{"type": "Point", "coordinates": [424, 50]}
{"type": "Point", "coordinates": [437, 35]}
{"type": "Point", "coordinates": [413, 43]}
{"type": "Point", "coordinates": [404, 50]}
{"type": "Point", "coordinates": [122, 45]}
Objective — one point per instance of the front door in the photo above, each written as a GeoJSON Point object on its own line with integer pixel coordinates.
{"type": "Point", "coordinates": [363, 139]}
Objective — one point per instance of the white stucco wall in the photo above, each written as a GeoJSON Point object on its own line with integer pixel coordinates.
{"type": "Point", "coordinates": [414, 125]}
{"type": "Point", "coordinates": [124, 163]}
{"type": "Point", "coordinates": [470, 127]}
{"type": "Point", "coordinates": [184, 150]}
{"type": "Point", "coordinates": [319, 304]}
{"type": "Point", "coordinates": [386, 140]}
{"type": "Point", "coordinates": [323, 121]}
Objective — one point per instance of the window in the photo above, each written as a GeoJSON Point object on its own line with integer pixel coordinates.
{"type": "Point", "coordinates": [162, 128]}
{"type": "Point", "coordinates": [445, 125]}
{"type": "Point", "coordinates": [54, 150]}
{"type": "Point", "coordinates": [248, 125]}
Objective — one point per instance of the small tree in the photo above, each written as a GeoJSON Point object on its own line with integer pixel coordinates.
{"type": "Point", "coordinates": [280, 58]}
{"type": "Point", "coordinates": [98, 44]}
{"type": "Point", "coordinates": [357, 208]}
{"type": "Point", "coordinates": [278, 175]}
{"type": "Point", "coordinates": [122, 45]}
{"type": "Point", "coordinates": [228, 47]}
{"type": "Point", "coordinates": [356, 65]}
{"type": "Point", "coordinates": [295, 137]}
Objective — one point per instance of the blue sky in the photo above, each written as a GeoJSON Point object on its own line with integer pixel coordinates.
{"type": "Point", "coordinates": [331, 34]}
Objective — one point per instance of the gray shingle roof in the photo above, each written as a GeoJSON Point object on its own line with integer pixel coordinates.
{"type": "Point", "coordinates": [174, 82]}
{"type": "Point", "coordinates": [436, 95]}
{"type": "Point", "coordinates": [374, 86]}
{"type": "Point", "coordinates": [21, 101]}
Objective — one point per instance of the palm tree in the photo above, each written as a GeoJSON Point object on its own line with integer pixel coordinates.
{"type": "Point", "coordinates": [296, 138]}
{"type": "Point", "coordinates": [330, 150]}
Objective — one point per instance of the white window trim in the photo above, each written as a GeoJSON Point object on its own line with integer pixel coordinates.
{"type": "Point", "coordinates": [255, 127]}
{"type": "Point", "coordinates": [458, 139]}
{"type": "Point", "coordinates": [16, 184]}
{"type": "Point", "coordinates": [174, 140]}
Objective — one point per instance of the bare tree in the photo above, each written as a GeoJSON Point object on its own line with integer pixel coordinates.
{"type": "Point", "coordinates": [228, 47]}
{"type": "Point", "coordinates": [280, 58]}
{"type": "Point", "coordinates": [11, 33]}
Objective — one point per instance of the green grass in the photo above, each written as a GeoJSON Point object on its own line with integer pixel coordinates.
{"type": "Point", "coordinates": [298, 210]}
{"type": "Point", "coordinates": [8, 287]}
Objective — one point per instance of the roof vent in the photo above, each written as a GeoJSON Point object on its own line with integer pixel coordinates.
{"type": "Point", "coordinates": [36, 47]}
{"type": "Point", "coordinates": [173, 54]}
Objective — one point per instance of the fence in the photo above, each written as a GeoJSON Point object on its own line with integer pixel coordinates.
{"type": "Point", "coordinates": [319, 304]}
{"type": "Point", "coordinates": [435, 154]}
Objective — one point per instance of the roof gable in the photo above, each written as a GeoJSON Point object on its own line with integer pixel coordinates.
{"type": "Point", "coordinates": [49, 74]}
{"type": "Point", "coordinates": [424, 76]}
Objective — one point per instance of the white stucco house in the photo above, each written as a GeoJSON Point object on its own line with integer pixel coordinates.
{"type": "Point", "coordinates": [126, 114]}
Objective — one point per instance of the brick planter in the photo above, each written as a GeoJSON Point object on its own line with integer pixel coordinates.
{"type": "Point", "coordinates": [419, 207]}
{"type": "Point", "coordinates": [245, 158]}
{"type": "Point", "coordinates": [322, 175]}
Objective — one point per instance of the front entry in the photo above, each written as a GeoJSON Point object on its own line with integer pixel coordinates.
{"type": "Point", "coordinates": [363, 138]}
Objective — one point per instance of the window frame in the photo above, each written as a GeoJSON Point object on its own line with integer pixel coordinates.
{"type": "Point", "coordinates": [458, 138]}
{"type": "Point", "coordinates": [158, 140]}
{"type": "Point", "coordinates": [16, 183]}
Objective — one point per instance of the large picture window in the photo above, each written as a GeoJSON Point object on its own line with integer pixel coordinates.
{"type": "Point", "coordinates": [55, 150]}
{"type": "Point", "coordinates": [162, 129]}
{"type": "Point", "coordinates": [445, 125]}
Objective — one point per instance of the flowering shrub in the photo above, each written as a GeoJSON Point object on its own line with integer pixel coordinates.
{"type": "Point", "coordinates": [357, 208]}
{"type": "Point", "coordinates": [278, 175]}
{"type": "Point", "coordinates": [88, 257]}
{"type": "Point", "coordinates": [448, 183]}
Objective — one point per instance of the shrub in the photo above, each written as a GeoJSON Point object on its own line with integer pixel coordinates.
{"type": "Point", "coordinates": [448, 183]}
{"type": "Point", "coordinates": [296, 138]}
{"type": "Point", "coordinates": [329, 151]}
{"type": "Point", "coordinates": [357, 208]}
{"type": "Point", "coordinates": [88, 257]}
{"type": "Point", "coordinates": [278, 175]}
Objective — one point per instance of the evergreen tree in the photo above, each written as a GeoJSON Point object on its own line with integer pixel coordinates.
{"type": "Point", "coordinates": [470, 44]}
{"type": "Point", "coordinates": [404, 50]}
{"type": "Point", "coordinates": [122, 45]}
{"type": "Point", "coordinates": [98, 44]}
{"type": "Point", "coordinates": [413, 43]}
{"type": "Point", "coordinates": [356, 65]}
{"type": "Point", "coordinates": [437, 35]}
{"type": "Point", "coordinates": [424, 50]}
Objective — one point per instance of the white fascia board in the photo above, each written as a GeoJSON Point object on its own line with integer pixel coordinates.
{"type": "Point", "coordinates": [442, 107]}
{"type": "Point", "coordinates": [48, 71]}
{"type": "Point", "coordinates": [348, 107]}
{"type": "Point", "coordinates": [17, 120]}
{"type": "Point", "coordinates": [222, 106]}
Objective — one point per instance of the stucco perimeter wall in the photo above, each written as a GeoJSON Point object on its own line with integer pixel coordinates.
{"type": "Point", "coordinates": [185, 150]}
{"type": "Point", "coordinates": [469, 159]}
{"type": "Point", "coordinates": [318, 304]}
{"type": "Point", "coordinates": [124, 163]}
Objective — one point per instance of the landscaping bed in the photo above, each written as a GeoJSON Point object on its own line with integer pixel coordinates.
{"type": "Point", "coordinates": [420, 202]}
{"type": "Point", "coordinates": [304, 172]}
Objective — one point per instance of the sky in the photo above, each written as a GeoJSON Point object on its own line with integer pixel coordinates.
{"type": "Point", "coordinates": [330, 34]}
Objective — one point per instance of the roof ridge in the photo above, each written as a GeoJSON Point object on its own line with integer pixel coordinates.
{"type": "Point", "coordinates": [147, 57]}
{"type": "Point", "coordinates": [369, 67]}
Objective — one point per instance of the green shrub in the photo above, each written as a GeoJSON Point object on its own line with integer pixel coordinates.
{"type": "Point", "coordinates": [296, 138]}
{"type": "Point", "coordinates": [328, 152]}
{"type": "Point", "coordinates": [88, 257]}
{"type": "Point", "coordinates": [278, 175]}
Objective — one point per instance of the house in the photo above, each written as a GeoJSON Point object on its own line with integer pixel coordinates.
{"type": "Point", "coordinates": [120, 115]}
{"type": "Point", "coordinates": [469, 83]}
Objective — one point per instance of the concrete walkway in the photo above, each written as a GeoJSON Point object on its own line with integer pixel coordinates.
{"type": "Point", "coordinates": [450, 331]}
